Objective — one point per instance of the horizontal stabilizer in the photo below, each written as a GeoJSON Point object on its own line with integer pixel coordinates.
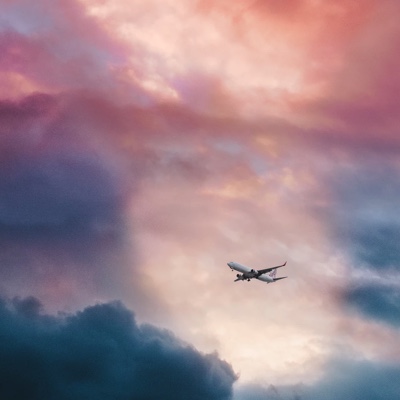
{"type": "Point", "coordinates": [277, 279]}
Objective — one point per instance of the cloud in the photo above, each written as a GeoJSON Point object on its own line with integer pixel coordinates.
{"type": "Point", "coordinates": [357, 379]}
{"type": "Point", "coordinates": [365, 211]}
{"type": "Point", "coordinates": [343, 378]}
{"type": "Point", "coordinates": [54, 187]}
{"type": "Point", "coordinates": [361, 215]}
{"type": "Point", "coordinates": [59, 47]}
{"type": "Point", "coordinates": [209, 134]}
{"type": "Point", "coordinates": [381, 302]}
{"type": "Point", "coordinates": [272, 392]}
{"type": "Point", "coordinates": [101, 353]}
{"type": "Point", "coordinates": [62, 198]}
{"type": "Point", "coordinates": [377, 244]}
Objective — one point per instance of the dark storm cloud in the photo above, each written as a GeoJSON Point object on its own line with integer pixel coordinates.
{"type": "Point", "coordinates": [343, 379]}
{"type": "Point", "coordinates": [380, 302]}
{"type": "Point", "coordinates": [100, 353]}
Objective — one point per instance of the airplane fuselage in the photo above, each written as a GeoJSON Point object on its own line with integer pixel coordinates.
{"type": "Point", "coordinates": [247, 273]}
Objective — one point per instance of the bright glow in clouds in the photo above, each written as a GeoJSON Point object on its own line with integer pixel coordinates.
{"type": "Point", "coordinates": [144, 144]}
{"type": "Point", "coordinates": [263, 60]}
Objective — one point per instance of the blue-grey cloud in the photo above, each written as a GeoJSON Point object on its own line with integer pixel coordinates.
{"type": "Point", "coordinates": [357, 380]}
{"type": "Point", "coordinates": [378, 244]}
{"type": "Point", "coordinates": [101, 353]}
{"type": "Point", "coordinates": [343, 379]}
{"type": "Point", "coordinates": [270, 392]}
{"type": "Point", "coordinates": [381, 302]}
{"type": "Point", "coordinates": [364, 217]}
{"type": "Point", "coordinates": [365, 227]}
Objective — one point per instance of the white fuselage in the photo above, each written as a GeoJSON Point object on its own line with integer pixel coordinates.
{"type": "Point", "coordinates": [248, 273]}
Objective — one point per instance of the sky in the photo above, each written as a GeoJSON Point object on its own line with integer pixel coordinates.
{"type": "Point", "coordinates": [145, 144]}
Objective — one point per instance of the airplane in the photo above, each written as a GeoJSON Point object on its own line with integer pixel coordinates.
{"type": "Point", "coordinates": [267, 275]}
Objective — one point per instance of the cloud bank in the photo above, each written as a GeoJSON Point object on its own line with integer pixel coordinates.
{"type": "Point", "coordinates": [101, 353]}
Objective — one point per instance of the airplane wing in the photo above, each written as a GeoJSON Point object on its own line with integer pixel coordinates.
{"type": "Point", "coordinates": [264, 271]}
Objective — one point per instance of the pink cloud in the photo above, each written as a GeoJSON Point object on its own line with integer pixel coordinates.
{"type": "Point", "coordinates": [57, 48]}
{"type": "Point", "coordinates": [186, 136]}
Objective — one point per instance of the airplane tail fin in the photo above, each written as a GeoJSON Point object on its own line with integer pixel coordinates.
{"type": "Point", "coordinates": [272, 274]}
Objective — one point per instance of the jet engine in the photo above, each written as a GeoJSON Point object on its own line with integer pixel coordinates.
{"type": "Point", "coordinates": [238, 276]}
